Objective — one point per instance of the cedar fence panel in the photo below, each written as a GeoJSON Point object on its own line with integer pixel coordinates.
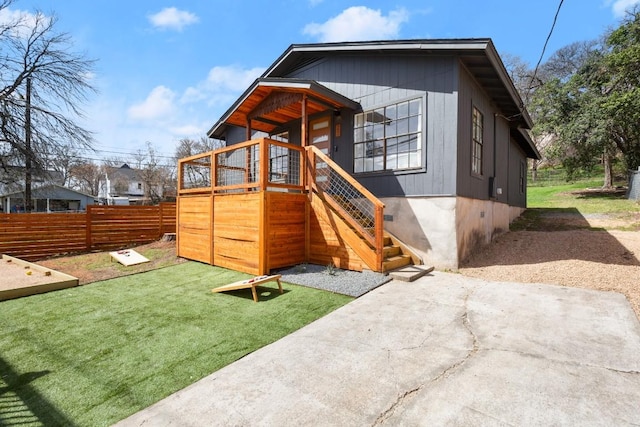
{"type": "Point", "coordinates": [39, 235]}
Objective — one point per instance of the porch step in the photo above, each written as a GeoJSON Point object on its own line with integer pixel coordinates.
{"type": "Point", "coordinates": [395, 262]}
{"type": "Point", "coordinates": [410, 273]}
{"type": "Point", "coordinates": [391, 251]}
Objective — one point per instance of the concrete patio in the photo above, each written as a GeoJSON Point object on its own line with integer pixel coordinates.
{"type": "Point", "coordinates": [444, 350]}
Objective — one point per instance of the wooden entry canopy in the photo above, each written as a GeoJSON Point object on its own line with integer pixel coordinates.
{"type": "Point", "coordinates": [269, 103]}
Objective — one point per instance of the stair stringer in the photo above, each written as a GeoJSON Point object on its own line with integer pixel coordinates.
{"type": "Point", "coordinates": [345, 233]}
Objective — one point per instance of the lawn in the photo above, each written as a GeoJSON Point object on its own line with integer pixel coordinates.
{"type": "Point", "coordinates": [93, 355]}
{"type": "Point", "coordinates": [582, 199]}
{"type": "Point", "coordinates": [586, 196]}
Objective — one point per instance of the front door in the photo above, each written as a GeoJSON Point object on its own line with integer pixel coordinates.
{"type": "Point", "coordinates": [320, 137]}
{"type": "Point", "coordinates": [320, 134]}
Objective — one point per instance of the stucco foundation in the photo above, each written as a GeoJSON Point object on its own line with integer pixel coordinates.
{"type": "Point", "coordinates": [427, 225]}
{"type": "Point", "coordinates": [446, 230]}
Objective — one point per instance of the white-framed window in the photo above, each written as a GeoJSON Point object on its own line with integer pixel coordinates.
{"type": "Point", "coordinates": [388, 138]}
{"type": "Point", "coordinates": [477, 141]}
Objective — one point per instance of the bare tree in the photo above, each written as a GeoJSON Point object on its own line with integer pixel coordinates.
{"type": "Point", "coordinates": [86, 176]}
{"type": "Point", "coordinates": [194, 174]}
{"type": "Point", "coordinates": [158, 179]}
{"type": "Point", "coordinates": [42, 86]}
{"type": "Point", "coordinates": [188, 147]}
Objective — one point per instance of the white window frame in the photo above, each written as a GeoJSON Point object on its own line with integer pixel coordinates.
{"type": "Point", "coordinates": [477, 141]}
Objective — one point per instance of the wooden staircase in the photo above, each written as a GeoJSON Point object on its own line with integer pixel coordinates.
{"type": "Point", "coordinates": [394, 257]}
{"type": "Point", "coordinates": [355, 214]}
{"type": "Point", "coordinates": [395, 254]}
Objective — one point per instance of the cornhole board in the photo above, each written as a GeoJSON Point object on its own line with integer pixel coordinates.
{"type": "Point", "coordinates": [250, 283]}
{"type": "Point", "coordinates": [128, 257]}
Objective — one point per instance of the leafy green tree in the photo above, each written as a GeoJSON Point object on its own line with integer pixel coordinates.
{"type": "Point", "coordinates": [566, 105]}
{"type": "Point", "coordinates": [592, 102]}
{"type": "Point", "coordinates": [620, 74]}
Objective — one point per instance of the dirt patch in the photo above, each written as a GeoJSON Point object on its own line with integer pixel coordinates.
{"type": "Point", "coordinates": [96, 266]}
{"type": "Point", "coordinates": [564, 249]}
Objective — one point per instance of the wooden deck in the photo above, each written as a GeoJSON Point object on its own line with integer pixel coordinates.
{"type": "Point", "coordinates": [236, 210]}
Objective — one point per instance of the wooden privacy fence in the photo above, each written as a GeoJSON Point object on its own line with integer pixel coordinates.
{"type": "Point", "coordinates": [39, 235]}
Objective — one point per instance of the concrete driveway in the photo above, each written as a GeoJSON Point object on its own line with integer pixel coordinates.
{"type": "Point", "coordinates": [444, 350]}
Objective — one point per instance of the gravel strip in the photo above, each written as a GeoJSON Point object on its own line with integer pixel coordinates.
{"type": "Point", "coordinates": [345, 282]}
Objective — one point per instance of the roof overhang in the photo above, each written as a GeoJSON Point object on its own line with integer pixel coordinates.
{"type": "Point", "coordinates": [271, 102]}
{"type": "Point", "coordinates": [527, 144]}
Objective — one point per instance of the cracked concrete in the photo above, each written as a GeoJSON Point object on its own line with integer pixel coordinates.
{"type": "Point", "coordinates": [444, 350]}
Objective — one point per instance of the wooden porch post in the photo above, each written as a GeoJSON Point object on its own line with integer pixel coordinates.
{"type": "Point", "coordinates": [247, 174]}
{"type": "Point", "coordinates": [306, 181]}
{"type": "Point", "coordinates": [304, 136]}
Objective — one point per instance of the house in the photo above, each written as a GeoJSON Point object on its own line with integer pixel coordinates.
{"type": "Point", "coordinates": [125, 185]}
{"type": "Point", "coordinates": [359, 148]}
{"type": "Point", "coordinates": [47, 198]}
{"type": "Point", "coordinates": [12, 178]}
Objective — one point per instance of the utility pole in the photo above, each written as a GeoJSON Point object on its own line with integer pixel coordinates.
{"type": "Point", "coordinates": [27, 145]}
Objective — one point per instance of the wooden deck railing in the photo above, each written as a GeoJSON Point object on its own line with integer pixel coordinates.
{"type": "Point", "coordinates": [268, 165]}
{"type": "Point", "coordinates": [238, 168]}
{"type": "Point", "coordinates": [357, 205]}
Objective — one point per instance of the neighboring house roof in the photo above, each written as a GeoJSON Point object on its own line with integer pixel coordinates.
{"type": "Point", "coordinates": [124, 171]}
{"type": "Point", "coordinates": [37, 175]}
{"type": "Point", "coordinates": [274, 112]}
{"type": "Point", "coordinates": [46, 191]}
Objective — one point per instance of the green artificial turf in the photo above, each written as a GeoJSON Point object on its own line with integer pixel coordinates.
{"type": "Point", "coordinates": [95, 354]}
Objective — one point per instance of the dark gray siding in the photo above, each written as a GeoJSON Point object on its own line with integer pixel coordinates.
{"type": "Point", "coordinates": [471, 95]}
{"type": "Point", "coordinates": [500, 160]}
{"type": "Point", "coordinates": [502, 156]}
{"type": "Point", "coordinates": [517, 160]}
{"type": "Point", "coordinates": [375, 81]}
{"type": "Point", "coordinates": [235, 135]}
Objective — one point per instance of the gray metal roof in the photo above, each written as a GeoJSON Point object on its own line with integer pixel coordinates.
{"type": "Point", "coordinates": [478, 56]}
{"type": "Point", "coordinates": [45, 190]}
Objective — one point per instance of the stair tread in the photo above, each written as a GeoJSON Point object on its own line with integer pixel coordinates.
{"type": "Point", "coordinates": [395, 257]}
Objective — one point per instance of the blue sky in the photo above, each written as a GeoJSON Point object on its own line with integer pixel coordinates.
{"type": "Point", "coordinates": [168, 69]}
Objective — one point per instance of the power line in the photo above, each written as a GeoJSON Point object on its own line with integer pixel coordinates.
{"type": "Point", "coordinates": [544, 48]}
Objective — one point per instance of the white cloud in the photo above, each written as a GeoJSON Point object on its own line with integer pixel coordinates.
{"type": "Point", "coordinates": [173, 19]}
{"type": "Point", "coordinates": [222, 84]}
{"type": "Point", "coordinates": [359, 23]}
{"type": "Point", "coordinates": [22, 22]}
{"type": "Point", "coordinates": [620, 7]}
{"type": "Point", "coordinates": [159, 104]}
{"type": "Point", "coordinates": [188, 130]}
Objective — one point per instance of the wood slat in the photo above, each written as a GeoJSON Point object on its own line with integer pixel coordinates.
{"type": "Point", "coordinates": [40, 235]}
